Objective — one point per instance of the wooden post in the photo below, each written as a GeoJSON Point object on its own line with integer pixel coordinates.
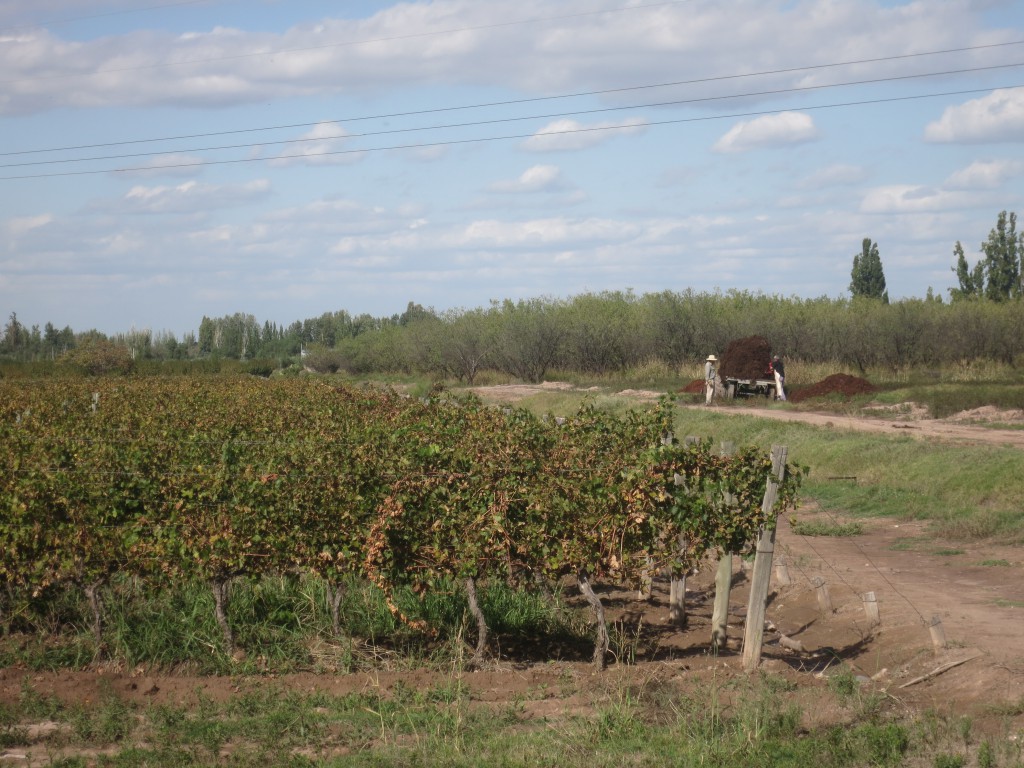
{"type": "Point", "coordinates": [824, 600]}
{"type": "Point", "coordinates": [677, 601]}
{"type": "Point", "coordinates": [782, 573]}
{"type": "Point", "coordinates": [871, 609]}
{"type": "Point", "coordinates": [720, 614]}
{"type": "Point", "coordinates": [754, 629]}
{"type": "Point", "coordinates": [646, 580]}
{"type": "Point", "coordinates": [677, 584]}
{"type": "Point", "coordinates": [938, 633]}
{"type": "Point", "coordinates": [723, 585]}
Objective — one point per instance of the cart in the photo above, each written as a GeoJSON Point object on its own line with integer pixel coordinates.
{"type": "Point", "coordinates": [750, 388]}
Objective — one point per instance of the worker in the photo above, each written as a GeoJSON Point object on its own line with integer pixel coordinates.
{"type": "Point", "coordinates": [779, 369]}
{"type": "Point", "coordinates": [710, 376]}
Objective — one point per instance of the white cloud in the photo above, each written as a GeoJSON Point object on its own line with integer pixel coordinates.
{"type": "Point", "coordinates": [21, 225]}
{"type": "Point", "coordinates": [913, 199]}
{"type": "Point", "coordinates": [835, 175]}
{"type": "Point", "coordinates": [570, 135]}
{"type": "Point", "coordinates": [543, 232]}
{"type": "Point", "coordinates": [325, 144]}
{"type": "Point", "coordinates": [539, 178]}
{"type": "Point", "coordinates": [985, 174]}
{"type": "Point", "coordinates": [394, 48]}
{"type": "Point", "coordinates": [784, 129]}
{"type": "Point", "coordinates": [190, 197]}
{"type": "Point", "coordinates": [177, 164]}
{"type": "Point", "coordinates": [999, 116]}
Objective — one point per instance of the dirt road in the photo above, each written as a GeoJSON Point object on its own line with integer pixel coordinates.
{"type": "Point", "coordinates": [946, 430]}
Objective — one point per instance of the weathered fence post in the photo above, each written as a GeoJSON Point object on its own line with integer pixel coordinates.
{"type": "Point", "coordinates": [720, 614]}
{"type": "Point", "coordinates": [754, 630]}
{"type": "Point", "coordinates": [782, 573]}
{"type": "Point", "coordinates": [871, 609]}
{"type": "Point", "coordinates": [824, 599]}
{"type": "Point", "coordinates": [677, 583]}
{"type": "Point", "coordinates": [723, 584]}
{"type": "Point", "coordinates": [938, 633]}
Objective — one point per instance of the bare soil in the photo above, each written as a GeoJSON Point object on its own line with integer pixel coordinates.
{"type": "Point", "coordinates": [973, 593]}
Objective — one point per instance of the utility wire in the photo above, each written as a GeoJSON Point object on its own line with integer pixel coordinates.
{"type": "Point", "coordinates": [863, 554]}
{"type": "Point", "coordinates": [511, 102]}
{"type": "Point", "coordinates": [510, 137]}
{"type": "Point", "coordinates": [548, 116]}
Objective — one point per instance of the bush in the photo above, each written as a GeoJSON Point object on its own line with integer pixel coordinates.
{"type": "Point", "coordinates": [98, 357]}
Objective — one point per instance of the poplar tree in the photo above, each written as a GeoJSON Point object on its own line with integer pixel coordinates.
{"type": "Point", "coordinates": [972, 281]}
{"type": "Point", "coordinates": [1002, 259]}
{"type": "Point", "coordinates": [868, 279]}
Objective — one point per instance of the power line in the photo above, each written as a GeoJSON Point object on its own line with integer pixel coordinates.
{"type": "Point", "coordinates": [347, 43]}
{"type": "Point", "coordinates": [510, 137]}
{"type": "Point", "coordinates": [548, 116]}
{"type": "Point", "coordinates": [511, 102]}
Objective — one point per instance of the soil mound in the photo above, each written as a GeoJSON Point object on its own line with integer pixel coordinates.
{"type": "Point", "coordinates": [747, 358]}
{"type": "Point", "coordinates": [695, 387]}
{"type": "Point", "coordinates": [836, 384]}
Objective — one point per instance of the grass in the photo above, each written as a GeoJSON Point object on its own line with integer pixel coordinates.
{"type": "Point", "coordinates": [963, 490]}
{"type": "Point", "coordinates": [283, 624]}
{"type": "Point", "coordinates": [946, 399]}
{"type": "Point", "coordinates": [826, 528]}
{"type": "Point", "coordinates": [752, 721]}
{"type": "Point", "coordinates": [739, 722]}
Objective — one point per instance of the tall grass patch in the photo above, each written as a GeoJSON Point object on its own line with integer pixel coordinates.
{"type": "Point", "coordinates": [283, 624]}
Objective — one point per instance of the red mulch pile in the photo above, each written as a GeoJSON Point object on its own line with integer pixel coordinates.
{"type": "Point", "coordinates": [747, 358]}
{"type": "Point", "coordinates": [694, 387]}
{"type": "Point", "coordinates": [836, 384]}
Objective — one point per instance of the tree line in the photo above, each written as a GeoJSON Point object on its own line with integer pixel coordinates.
{"type": "Point", "coordinates": [605, 333]}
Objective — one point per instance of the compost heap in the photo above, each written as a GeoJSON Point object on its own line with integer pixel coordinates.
{"type": "Point", "coordinates": [836, 384]}
{"type": "Point", "coordinates": [747, 358]}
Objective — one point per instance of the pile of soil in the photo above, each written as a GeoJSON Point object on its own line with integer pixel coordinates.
{"type": "Point", "coordinates": [836, 384]}
{"type": "Point", "coordinates": [747, 358]}
{"type": "Point", "coordinates": [695, 387]}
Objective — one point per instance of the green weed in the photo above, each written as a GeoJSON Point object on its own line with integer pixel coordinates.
{"type": "Point", "coordinates": [826, 528]}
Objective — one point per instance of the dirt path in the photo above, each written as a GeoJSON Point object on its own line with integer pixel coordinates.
{"type": "Point", "coordinates": [906, 418]}
{"type": "Point", "coordinates": [946, 430]}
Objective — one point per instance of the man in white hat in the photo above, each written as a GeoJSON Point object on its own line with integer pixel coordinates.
{"type": "Point", "coordinates": [710, 374]}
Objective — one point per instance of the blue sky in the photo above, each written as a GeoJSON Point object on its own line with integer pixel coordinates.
{"type": "Point", "coordinates": [287, 159]}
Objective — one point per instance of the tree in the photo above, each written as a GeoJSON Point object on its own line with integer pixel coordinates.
{"type": "Point", "coordinates": [1002, 259]}
{"type": "Point", "coordinates": [12, 333]}
{"type": "Point", "coordinates": [867, 277]}
{"type": "Point", "coordinates": [998, 275]}
{"type": "Point", "coordinates": [972, 281]}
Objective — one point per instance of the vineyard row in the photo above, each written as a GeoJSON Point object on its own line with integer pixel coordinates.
{"type": "Point", "coordinates": [221, 478]}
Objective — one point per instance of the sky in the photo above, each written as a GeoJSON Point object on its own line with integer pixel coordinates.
{"type": "Point", "coordinates": [161, 161]}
